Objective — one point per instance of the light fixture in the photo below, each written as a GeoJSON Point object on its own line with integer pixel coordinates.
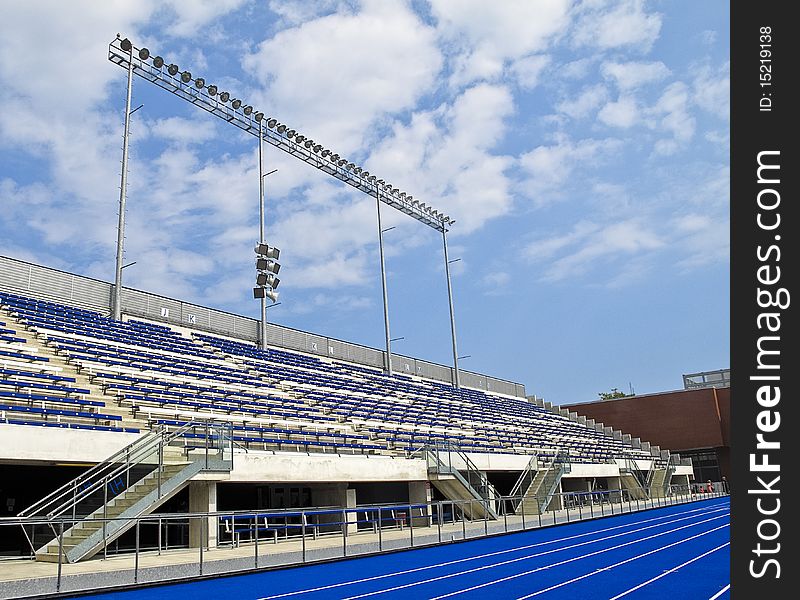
{"type": "Point", "coordinates": [180, 83]}
{"type": "Point", "coordinates": [267, 279]}
{"type": "Point", "coordinates": [268, 251]}
{"type": "Point", "coordinates": [272, 295]}
{"type": "Point", "coordinates": [262, 264]}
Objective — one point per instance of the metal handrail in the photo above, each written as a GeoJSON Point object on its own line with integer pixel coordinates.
{"type": "Point", "coordinates": [534, 461]}
{"type": "Point", "coordinates": [133, 453]}
{"type": "Point", "coordinates": [70, 484]}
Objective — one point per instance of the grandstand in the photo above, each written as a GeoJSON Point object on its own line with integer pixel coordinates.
{"type": "Point", "coordinates": [116, 420]}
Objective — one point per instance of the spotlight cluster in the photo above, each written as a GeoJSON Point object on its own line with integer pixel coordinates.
{"type": "Point", "coordinates": [296, 143]}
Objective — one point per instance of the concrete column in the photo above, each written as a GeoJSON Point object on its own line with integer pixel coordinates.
{"type": "Point", "coordinates": [614, 485]}
{"type": "Point", "coordinates": [556, 502]}
{"type": "Point", "coordinates": [203, 498]}
{"type": "Point", "coordinates": [419, 492]}
{"type": "Point", "coordinates": [336, 494]}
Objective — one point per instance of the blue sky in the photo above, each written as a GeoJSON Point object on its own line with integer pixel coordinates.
{"type": "Point", "coordinates": [581, 147]}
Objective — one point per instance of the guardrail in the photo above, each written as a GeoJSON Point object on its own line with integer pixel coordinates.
{"type": "Point", "coordinates": [243, 540]}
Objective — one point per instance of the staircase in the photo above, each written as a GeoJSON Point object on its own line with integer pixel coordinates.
{"type": "Point", "coordinates": [629, 477]}
{"type": "Point", "coordinates": [662, 478]}
{"type": "Point", "coordinates": [104, 502]}
{"type": "Point", "coordinates": [460, 480]}
{"type": "Point", "coordinates": [539, 492]}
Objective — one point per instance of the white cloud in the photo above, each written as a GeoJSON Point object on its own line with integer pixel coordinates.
{"type": "Point", "coordinates": [333, 77]}
{"type": "Point", "coordinates": [610, 24]}
{"type": "Point", "coordinates": [576, 69]}
{"type": "Point", "coordinates": [294, 12]}
{"type": "Point", "coordinates": [486, 35]}
{"type": "Point", "coordinates": [445, 156]}
{"type": "Point", "coordinates": [589, 244]}
{"type": "Point", "coordinates": [711, 90]}
{"type": "Point", "coordinates": [549, 167]}
{"type": "Point", "coordinates": [632, 75]}
{"type": "Point", "coordinates": [528, 70]}
{"type": "Point", "coordinates": [674, 117]}
{"type": "Point", "coordinates": [190, 17]}
{"type": "Point", "coordinates": [586, 102]}
{"type": "Point", "coordinates": [624, 113]}
{"type": "Point", "coordinates": [182, 131]}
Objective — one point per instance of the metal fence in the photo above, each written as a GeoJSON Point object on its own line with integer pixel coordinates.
{"type": "Point", "coordinates": [246, 540]}
{"type": "Point", "coordinates": [20, 277]}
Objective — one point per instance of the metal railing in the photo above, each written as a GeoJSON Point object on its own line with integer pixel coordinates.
{"type": "Point", "coordinates": [526, 477]}
{"type": "Point", "coordinates": [549, 471]}
{"type": "Point", "coordinates": [440, 459]}
{"type": "Point", "coordinates": [228, 538]}
{"type": "Point", "coordinates": [92, 491]}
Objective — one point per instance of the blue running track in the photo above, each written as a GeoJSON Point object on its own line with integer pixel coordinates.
{"type": "Point", "coordinates": [671, 553]}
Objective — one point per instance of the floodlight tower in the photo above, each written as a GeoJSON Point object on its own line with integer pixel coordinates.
{"type": "Point", "coordinates": [126, 46]}
{"type": "Point", "coordinates": [234, 111]}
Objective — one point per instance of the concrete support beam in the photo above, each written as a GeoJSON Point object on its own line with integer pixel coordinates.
{"type": "Point", "coordinates": [203, 498]}
{"type": "Point", "coordinates": [420, 492]}
{"type": "Point", "coordinates": [336, 494]}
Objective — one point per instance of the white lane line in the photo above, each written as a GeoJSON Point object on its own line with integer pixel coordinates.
{"type": "Point", "coordinates": [514, 560]}
{"type": "Point", "coordinates": [615, 565]}
{"type": "Point", "coordinates": [719, 593]}
{"type": "Point", "coordinates": [716, 507]}
{"type": "Point", "coordinates": [672, 570]}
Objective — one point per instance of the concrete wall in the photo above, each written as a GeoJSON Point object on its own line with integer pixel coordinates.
{"type": "Point", "coordinates": [51, 445]}
{"type": "Point", "coordinates": [319, 468]}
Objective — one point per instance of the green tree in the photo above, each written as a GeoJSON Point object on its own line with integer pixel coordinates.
{"type": "Point", "coordinates": [614, 393]}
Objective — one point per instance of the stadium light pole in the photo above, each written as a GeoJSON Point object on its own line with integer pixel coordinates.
{"type": "Point", "coordinates": [262, 342]}
{"type": "Point", "coordinates": [117, 308]}
{"type": "Point", "coordinates": [456, 376]}
{"type": "Point", "coordinates": [385, 293]}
